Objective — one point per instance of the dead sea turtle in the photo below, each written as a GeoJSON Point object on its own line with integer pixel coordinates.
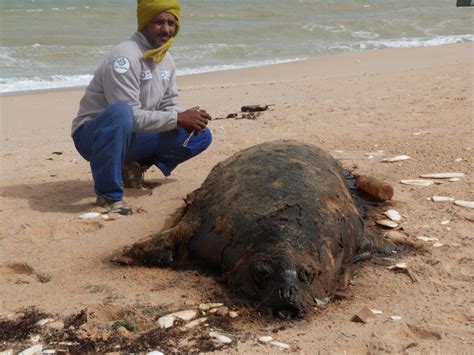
{"type": "Point", "coordinates": [276, 218]}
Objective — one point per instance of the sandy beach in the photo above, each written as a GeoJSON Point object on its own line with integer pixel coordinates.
{"type": "Point", "coordinates": [416, 102]}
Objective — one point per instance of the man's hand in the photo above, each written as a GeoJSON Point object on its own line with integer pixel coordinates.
{"type": "Point", "coordinates": [193, 119]}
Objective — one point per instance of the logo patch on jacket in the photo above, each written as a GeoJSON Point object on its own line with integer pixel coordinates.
{"type": "Point", "coordinates": [145, 75]}
{"type": "Point", "coordinates": [121, 65]}
{"type": "Point", "coordinates": [165, 75]}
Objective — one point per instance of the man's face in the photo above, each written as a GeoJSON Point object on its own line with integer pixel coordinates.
{"type": "Point", "coordinates": [160, 29]}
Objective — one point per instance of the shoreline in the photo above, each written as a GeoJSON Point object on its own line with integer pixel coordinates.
{"type": "Point", "coordinates": [359, 107]}
{"type": "Point", "coordinates": [184, 76]}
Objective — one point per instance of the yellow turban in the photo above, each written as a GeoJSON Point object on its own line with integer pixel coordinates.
{"type": "Point", "coordinates": [148, 9]}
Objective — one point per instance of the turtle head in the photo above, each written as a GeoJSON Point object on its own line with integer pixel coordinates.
{"type": "Point", "coordinates": [275, 283]}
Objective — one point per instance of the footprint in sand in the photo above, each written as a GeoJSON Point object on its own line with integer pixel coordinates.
{"type": "Point", "coordinates": [22, 273]}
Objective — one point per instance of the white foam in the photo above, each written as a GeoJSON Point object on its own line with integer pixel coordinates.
{"type": "Point", "coordinates": [11, 85]}
{"type": "Point", "coordinates": [417, 42]}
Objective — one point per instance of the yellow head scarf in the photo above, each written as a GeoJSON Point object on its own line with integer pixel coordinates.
{"type": "Point", "coordinates": [148, 9]}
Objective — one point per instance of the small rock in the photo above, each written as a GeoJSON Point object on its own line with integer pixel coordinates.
{"type": "Point", "coordinates": [265, 339]}
{"type": "Point", "coordinates": [34, 350]}
{"type": "Point", "coordinates": [222, 311]}
{"type": "Point", "coordinates": [365, 315]}
{"type": "Point", "coordinates": [233, 314]}
{"type": "Point", "coordinates": [166, 322]}
{"type": "Point", "coordinates": [195, 323]}
{"type": "Point", "coordinates": [220, 338]}
{"type": "Point", "coordinates": [58, 325]}
{"type": "Point", "coordinates": [122, 331]}
{"type": "Point", "coordinates": [208, 306]}
{"type": "Point", "coordinates": [442, 198]}
{"type": "Point", "coordinates": [280, 345]}
{"type": "Point", "coordinates": [186, 315]}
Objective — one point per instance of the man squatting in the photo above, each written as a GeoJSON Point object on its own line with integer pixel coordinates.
{"type": "Point", "coordinates": [129, 117]}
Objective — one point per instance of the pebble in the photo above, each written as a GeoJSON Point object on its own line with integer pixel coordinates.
{"type": "Point", "coordinates": [280, 345]}
{"type": "Point", "coordinates": [166, 321]}
{"type": "Point", "coordinates": [462, 203]}
{"type": "Point", "coordinates": [233, 314]}
{"type": "Point", "coordinates": [222, 311]}
{"type": "Point", "coordinates": [89, 215]}
{"type": "Point", "coordinates": [442, 198]}
{"type": "Point", "coordinates": [195, 323]}
{"type": "Point", "coordinates": [220, 338]}
{"type": "Point", "coordinates": [122, 331]}
{"type": "Point", "coordinates": [208, 306]}
{"type": "Point", "coordinates": [393, 215]}
{"type": "Point", "coordinates": [34, 350]}
{"type": "Point", "coordinates": [186, 315]}
{"type": "Point", "coordinates": [265, 339]}
{"type": "Point", "coordinates": [58, 325]}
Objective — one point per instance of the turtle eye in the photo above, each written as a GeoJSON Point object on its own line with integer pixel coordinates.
{"type": "Point", "coordinates": [261, 271]}
{"type": "Point", "coordinates": [305, 275]}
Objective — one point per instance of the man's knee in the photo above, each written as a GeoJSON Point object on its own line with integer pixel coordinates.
{"type": "Point", "coordinates": [121, 113]}
{"type": "Point", "coordinates": [206, 138]}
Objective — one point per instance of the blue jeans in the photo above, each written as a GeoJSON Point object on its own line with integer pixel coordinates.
{"type": "Point", "coordinates": [108, 141]}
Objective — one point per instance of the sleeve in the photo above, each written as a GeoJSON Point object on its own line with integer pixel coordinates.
{"type": "Point", "coordinates": [122, 84]}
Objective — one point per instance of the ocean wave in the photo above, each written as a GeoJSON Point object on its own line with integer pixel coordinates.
{"type": "Point", "coordinates": [416, 42]}
{"type": "Point", "coordinates": [11, 85]}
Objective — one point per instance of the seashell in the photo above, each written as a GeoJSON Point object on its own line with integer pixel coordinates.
{"type": "Point", "coordinates": [89, 215]}
{"type": "Point", "coordinates": [427, 239]}
{"type": "Point", "coordinates": [280, 345]}
{"type": "Point", "coordinates": [417, 182]}
{"type": "Point", "coordinates": [442, 198]}
{"type": "Point", "coordinates": [398, 266]}
{"type": "Point", "coordinates": [185, 315]}
{"type": "Point", "coordinates": [396, 318]}
{"type": "Point", "coordinates": [166, 321]}
{"type": "Point", "coordinates": [442, 175]}
{"type": "Point", "coordinates": [444, 221]}
{"type": "Point", "coordinates": [387, 223]}
{"type": "Point", "coordinates": [462, 203]}
{"type": "Point", "coordinates": [393, 215]}
{"type": "Point", "coordinates": [376, 311]}
{"type": "Point", "coordinates": [208, 306]}
{"type": "Point", "coordinates": [437, 245]}
{"type": "Point", "coordinates": [265, 339]}
{"type": "Point", "coordinates": [396, 158]}
{"type": "Point", "coordinates": [221, 338]}
{"type": "Point", "coordinates": [195, 323]}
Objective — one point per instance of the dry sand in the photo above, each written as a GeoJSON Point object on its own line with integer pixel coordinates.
{"type": "Point", "coordinates": [417, 102]}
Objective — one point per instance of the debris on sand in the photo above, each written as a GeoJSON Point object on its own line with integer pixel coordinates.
{"type": "Point", "coordinates": [396, 158]}
{"type": "Point", "coordinates": [220, 338]}
{"type": "Point", "coordinates": [394, 215]}
{"type": "Point", "coordinates": [397, 318]}
{"type": "Point", "coordinates": [374, 187]}
{"type": "Point", "coordinates": [254, 108]}
{"type": "Point", "coordinates": [364, 315]}
{"type": "Point", "coordinates": [265, 339]}
{"type": "Point", "coordinates": [427, 239]}
{"type": "Point", "coordinates": [280, 345]}
{"type": "Point", "coordinates": [462, 203]}
{"type": "Point", "coordinates": [89, 215]}
{"type": "Point", "coordinates": [437, 198]}
{"type": "Point", "coordinates": [387, 223]}
{"type": "Point", "coordinates": [417, 182]}
{"type": "Point", "coordinates": [442, 175]}
{"type": "Point", "coordinates": [402, 267]}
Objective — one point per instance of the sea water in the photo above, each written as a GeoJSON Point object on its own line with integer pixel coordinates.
{"type": "Point", "coordinates": [49, 44]}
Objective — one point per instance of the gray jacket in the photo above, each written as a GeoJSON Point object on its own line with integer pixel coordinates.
{"type": "Point", "coordinates": [126, 76]}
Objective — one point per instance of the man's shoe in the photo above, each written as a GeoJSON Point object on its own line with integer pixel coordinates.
{"type": "Point", "coordinates": [133, 175]}
{"type": "Point", "coordinates": [119, 207]}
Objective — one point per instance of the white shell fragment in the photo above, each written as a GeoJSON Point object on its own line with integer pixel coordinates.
{"type": "Point", "coordinates": [220, 338]}
{"type": "Point", "coordinates": [195, 323]}
{"type": "Point", "coordinates": [280, 345]}
{"type": "Point", "coordinates": [454, 179]}
{"type": "Point", "coordinates": [265, 339]}
{"type": "Point", "coordinates": [208, 306]}
{"type": "Point", "coordinates": [155, 352]}
{"type": "Point", "coordinates": [427, 239]}
{"type": "Point", "coordinates": [420, 133]}
{"type": "Point", "coordinates": [417, 182]}
{"type": "Point", "coordinates": [442, 198]}
{"type": "Point", "coordinates": [442, 175]}
{"type": "Point", "coordinates": [437, 245]}
{"type": "Point", "coordinates": [321, 301]}
{"type": "Point", "coordinates": [396, 158]}
{"type": "Point", "coordinates": [393, 215]}
{"type": "Point", "coordinates": [166, 321]}
{"type": "Point", "coordinates": [34, 350]}
{"type": "Point", "coordinates": [89, 215]}
{"type": "Point", "coordinates": [444, 221]}
{"type": "Point", "coordinates": [376, 311]}
{"type": "Point", "coordinates": [396, 318]}
{"type": "Point", "coordinates": [462, 203]}
{"type": "Point", "coordinates": [233, 314]}
{"type": "Point", "coordinates": [398, 266]}
{"type": "Point", "coordinates": [387, 223]}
